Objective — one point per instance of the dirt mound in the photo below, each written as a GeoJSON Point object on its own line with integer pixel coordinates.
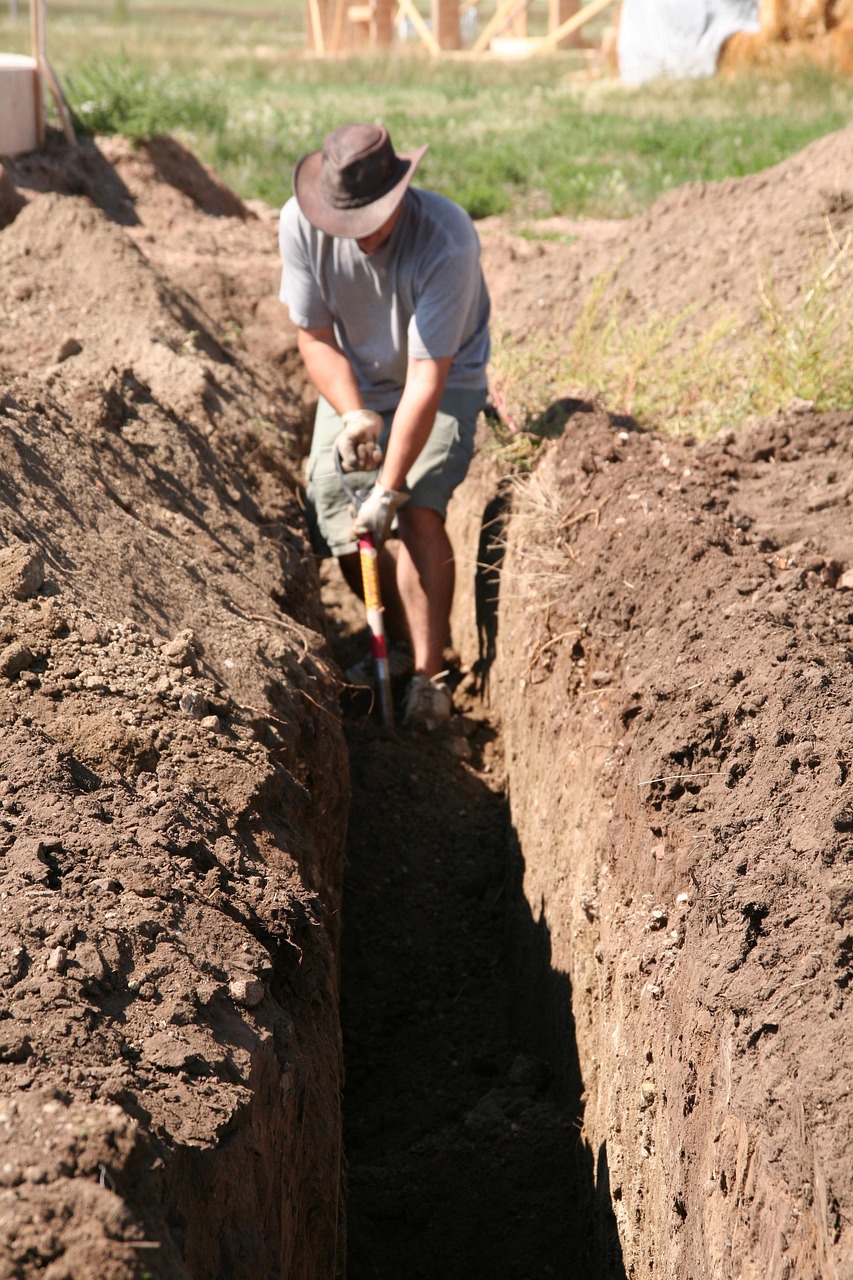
{"type": "Point", "coordinates": [699, 252]}
{"type": "Point", "coordinates": [174, 785]}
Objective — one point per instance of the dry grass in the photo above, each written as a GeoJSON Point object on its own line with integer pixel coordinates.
{"type": "Point", "coordinates": [671, 377]}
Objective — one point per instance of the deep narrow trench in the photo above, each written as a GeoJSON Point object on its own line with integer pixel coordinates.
{"type": "Point", "coordinates": [464, 1151]}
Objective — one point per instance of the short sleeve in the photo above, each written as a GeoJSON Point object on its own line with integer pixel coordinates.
{"type": "Point", "coordinates": [300, 290]}
{"type": "Point", "coordinates": [448, 298]}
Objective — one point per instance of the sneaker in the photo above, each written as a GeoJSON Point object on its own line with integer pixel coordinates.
{"type": "Point", "coordinates": [428, 702]}
{"type": "Point", "coordinates": [400, 664]}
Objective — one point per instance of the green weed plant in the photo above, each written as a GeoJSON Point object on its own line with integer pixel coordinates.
{"type": "Point", "coordinates": [666, 376]}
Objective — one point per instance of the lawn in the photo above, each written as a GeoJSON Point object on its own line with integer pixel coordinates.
{"type": "Point", "coordinates": [526, 139]}
{"type": "Point", "coordinates": [537, 137]}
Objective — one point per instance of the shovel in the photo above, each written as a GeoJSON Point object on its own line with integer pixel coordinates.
{"type": "Point", "coordinates": [369, 561]}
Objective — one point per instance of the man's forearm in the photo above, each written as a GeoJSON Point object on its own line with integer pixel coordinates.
{"type": "Point", "coordinates": [329, 370]}
{"type": "Point", "coordinates": [414, 419]}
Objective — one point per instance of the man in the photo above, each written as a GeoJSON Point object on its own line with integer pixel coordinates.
{"type": "Point", "coordinates": [384, 284]}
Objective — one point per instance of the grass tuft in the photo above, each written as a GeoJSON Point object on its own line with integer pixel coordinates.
{"type": "Point", "coordinates": [670, 378]}
{"type": "Point", "coordinates": [120, 96]}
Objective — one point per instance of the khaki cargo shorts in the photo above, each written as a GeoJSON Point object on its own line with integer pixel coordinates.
{"type": "Point", "coordinates": [442, 465]}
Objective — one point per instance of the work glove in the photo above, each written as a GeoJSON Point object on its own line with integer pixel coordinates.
{"type": "Point", "coordinates": [376, 513]}
{"type": "Point", "coordinates": [357, 443]}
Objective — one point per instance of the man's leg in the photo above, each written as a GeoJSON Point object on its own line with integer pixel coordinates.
{"type": "Point", "coordinates": [425, 577]}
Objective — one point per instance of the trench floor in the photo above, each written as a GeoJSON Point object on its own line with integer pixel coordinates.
{"type": "Point", "coordinates": [464, 1149]}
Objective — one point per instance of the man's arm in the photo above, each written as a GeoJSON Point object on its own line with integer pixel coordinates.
{"type": "Point", "coordinates": [329, 369]}
{"type": "Point", "coordinates": [414, 418]}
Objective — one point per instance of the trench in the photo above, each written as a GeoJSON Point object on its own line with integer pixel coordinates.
{"type": "Point", "coordinates": [463, 1102]}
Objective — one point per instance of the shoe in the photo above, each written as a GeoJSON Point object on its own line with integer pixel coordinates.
{"type": "Point", "coordinates": [400, 664]}
{"type": "Point", "coordinates": [428, 702]}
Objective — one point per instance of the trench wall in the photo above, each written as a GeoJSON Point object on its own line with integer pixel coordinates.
{"type": "Point", "coordinates": [655, 661]}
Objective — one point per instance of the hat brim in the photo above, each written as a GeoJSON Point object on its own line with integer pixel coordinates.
{"type": "Point", "coordinates": [351, 224]}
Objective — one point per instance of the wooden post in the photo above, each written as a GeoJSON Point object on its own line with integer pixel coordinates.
{"type": "Point", "coordinates": [382, 24]}
{"type": "Point", "coordinates": [317, 33]}
{"type": "Point", "coordinates": [38, 50]}
{"type": "Point", "coordinates": [559, 11]}
{"type": "Point", "coordinates": [445, 24]}
{"type": "Point", "coordinates": [517, 27]}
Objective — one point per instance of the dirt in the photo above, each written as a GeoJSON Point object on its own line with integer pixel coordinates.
{"type": "Point", "coordinates": [591, 943]}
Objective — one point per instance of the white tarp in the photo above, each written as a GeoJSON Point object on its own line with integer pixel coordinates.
{"type": "Point", "coordinates": [678, 38]}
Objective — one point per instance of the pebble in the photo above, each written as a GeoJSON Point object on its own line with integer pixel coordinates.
{"type": "Point", "coordinates": [194, 704]}
{"type": "Point", "coordinates": [14, 659]}
{"type": "Point", "coordinates": [58, 959]}
{"type": "Point", "coordinates": [21, 570]}
{"type": "Point", "coordinates": [659, 918]}
{"type": "Point", "coordinates": [182, 649]}
{"type": "Point", "coordinates": [11, 1175]}
{"type": "Point", "coordinates": [460, 748]}
{"type": "Point", "coordinates": [247, 991]}
{"type": "Point", "coordinates": [70, 347]}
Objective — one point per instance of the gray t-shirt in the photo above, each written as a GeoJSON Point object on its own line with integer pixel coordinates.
{"type": "Point", "coordinates": [421, 296]}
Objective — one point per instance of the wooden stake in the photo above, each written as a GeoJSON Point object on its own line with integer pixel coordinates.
{"type": "Point", "coordinates": [317, 27]}
{"type": "Point", "coordinates": [37, 45]}
{"type": "Point", "coordinates": [338, 25]}
{"type": "Point", "coordinates": [61, 104]}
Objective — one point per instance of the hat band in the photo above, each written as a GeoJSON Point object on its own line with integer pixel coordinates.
{"type": "Point", "coordinates": [340, 198]}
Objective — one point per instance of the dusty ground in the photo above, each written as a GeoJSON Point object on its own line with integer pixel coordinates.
{"type": "Point", "coordinates": [594, 988]}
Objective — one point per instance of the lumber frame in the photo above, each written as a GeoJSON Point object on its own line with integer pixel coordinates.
{"type": "Point", "coordinates": [571, 25]}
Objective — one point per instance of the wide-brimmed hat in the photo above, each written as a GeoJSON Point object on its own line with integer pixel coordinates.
{"type": "Point", "coordinates": [355, 183]}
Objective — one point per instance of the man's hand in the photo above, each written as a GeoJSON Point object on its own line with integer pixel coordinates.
{"type": "Point", "coordinates": [377, 512]}
{"type": "Point", "coordinates": [357, 443]}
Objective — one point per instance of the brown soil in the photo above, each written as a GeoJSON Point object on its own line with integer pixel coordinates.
{"type": "Point", "coordinates": [596, 950]}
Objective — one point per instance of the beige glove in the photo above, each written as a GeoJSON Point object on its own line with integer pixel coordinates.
{"type": "Point", "coordinates": [357, 443]}
{"type": "Point", "coordinates": [376, 513]}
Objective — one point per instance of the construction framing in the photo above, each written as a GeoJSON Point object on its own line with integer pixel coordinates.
{"type": "Point", "coordinates": [343, 26]}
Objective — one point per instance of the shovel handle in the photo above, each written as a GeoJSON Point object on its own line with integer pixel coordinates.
{"type": "Point", "coordinates": [368, 559]}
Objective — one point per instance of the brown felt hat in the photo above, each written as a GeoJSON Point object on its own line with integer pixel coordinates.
{"type": "Point", "coordinates": [355, 183]}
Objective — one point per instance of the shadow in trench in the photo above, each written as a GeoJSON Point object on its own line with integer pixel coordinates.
{"type": "Point", "coordinates": [463, 1093]}
{"type": "Point", "coordinates": [543, 1019]}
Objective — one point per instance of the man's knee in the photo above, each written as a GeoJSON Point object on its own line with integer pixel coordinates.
{"type": "Point", "coordinates": [418, 523]}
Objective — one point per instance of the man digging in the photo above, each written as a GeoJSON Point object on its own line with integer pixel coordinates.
{"type": "Point", "coordinates": [384, 284]}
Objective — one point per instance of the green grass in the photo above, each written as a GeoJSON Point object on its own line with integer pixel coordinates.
{"type": "Point", "coordinates": [529, 138]}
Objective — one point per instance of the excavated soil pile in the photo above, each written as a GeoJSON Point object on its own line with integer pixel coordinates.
{"type": "Point", "coordinates": [174, 782]}
{"type": "Point", "coordinates": [603, 1031]}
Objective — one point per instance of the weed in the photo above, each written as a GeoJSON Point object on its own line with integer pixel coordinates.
{"type": "Point", "coordinates": [124, 97]}
{"type": "Point", "coordinates": [667, 374]}
{"type": "Point", "coordinates": [808, 344]}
